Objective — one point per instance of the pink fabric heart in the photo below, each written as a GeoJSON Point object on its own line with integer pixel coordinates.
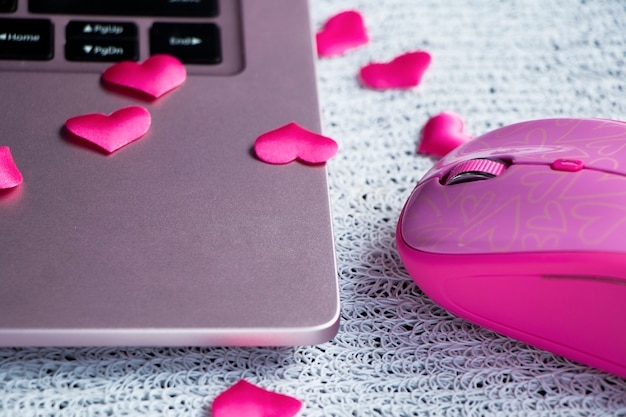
{"type": "Point", "coordinates": [10, 176]}
{"type": "Point", "coordinates": [247, 400]}
{"type": "Point", "coordinates": [291, 142]}
{"type": "Point", "coordinates": [113, 131]}
{"type": "Point", "coordinates": [341, 33]}
{"type": "Point", "coordinates": [442, 133]}
{"type": "Point", "coordinates": [155, 76]}
{"type": "Point", "coordinates": [405, 71]}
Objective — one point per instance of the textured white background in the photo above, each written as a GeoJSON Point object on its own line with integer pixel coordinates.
{"type": "Point", "coordinates": [495, 62]}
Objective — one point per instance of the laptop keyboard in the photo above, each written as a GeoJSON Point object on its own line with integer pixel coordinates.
{"type": "Point", "coordinates": [169, 8]}
{"type": "Point", "coordinates": [54, 34]}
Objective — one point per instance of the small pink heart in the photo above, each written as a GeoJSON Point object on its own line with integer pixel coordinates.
{"type": "Point", "coordinates": [405, 71]}
{"type": "Point", "coordinates": [155, 76]}
{"type": "Point", "coordinates": [341, 33]}
{"type": "Point", "coordinates": [291, 142]}
{"type": "Point", "coordinates": [247, 400]}
{"type": "Point", "coordinates": [10, 176]}
{"type": "Point", "coordinates": [442, 133]}
{"type": "Point", "coordinates": [113, 131]}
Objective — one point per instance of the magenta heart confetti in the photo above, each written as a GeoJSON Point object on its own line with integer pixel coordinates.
{"type": "Point", "coordinates": [247, 400]}
{"type": "Point", "coordinates": [442, 133]}
{"type": "Point", "coordinates": [341, 33]}
{"type": "Point", "coordinates": [111, 132]}
{"type": "Point", "coordinates": [10, 176]}
{"type": "Point", "coordinates": [291, 142]}
{"type": "Point", "coordinates": [156, 76]}
{"type": "Point", "coordinates": [403, 72]}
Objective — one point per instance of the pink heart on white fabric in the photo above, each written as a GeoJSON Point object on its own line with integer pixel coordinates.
{"type": "Point", "coordinates": [341, 33]}
{"type": "Point", "coordinates": [247, 400]}
{"type": "Point", "coordinates": [156, 76]}
{"type": "Point", "coordinates": [111, 132]}
{"type": "Point", "coordinates": [291, 142]}
{"type": "Point", "coordinates": [443, 133]}
{"type": "Point", "coordinates": [10, 175]}
{"type": "Point", "coordinates": [404, 71]}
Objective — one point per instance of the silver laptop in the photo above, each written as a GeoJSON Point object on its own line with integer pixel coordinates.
{"type": "Point", "coordinates": [183, 237]}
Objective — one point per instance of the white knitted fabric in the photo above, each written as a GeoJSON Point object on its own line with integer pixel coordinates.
{"type": "Point", "coordinates": [495, 62]}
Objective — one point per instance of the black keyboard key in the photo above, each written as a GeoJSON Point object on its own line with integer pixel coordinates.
{"type": "Point", "coordinates": [26, 39]}
{"type": "Point", "coordinates": [101, 51]}
{"type": "Point", "coordinates": [101, 30]}
{"type": "Point", "coordinates": [101, 41]}
{"type": "Point", "coordinates": [192, 43]}
{"type": "Point", "coordinates": [171, 8]}
{"type": "Point", "coordinates": [8, 6]}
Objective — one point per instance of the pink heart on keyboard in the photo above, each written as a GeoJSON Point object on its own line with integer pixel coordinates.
{"type": "Point", "coordinates": [10, 176]}
{"type": "Point", "coordinates": [246, 399]}
{"type": "Point", "coordinates": [405, 71]}
{"type": "Point", "coordinates": [341, 33]}
{"type": "Point", "coordinates": [155, 76]}
{"type": "Point", "coordinates": [111, 132]}
{"type": "Point", "coordinates": [291, 142]}
{"type": "Point", "coordinates": [443, 133]}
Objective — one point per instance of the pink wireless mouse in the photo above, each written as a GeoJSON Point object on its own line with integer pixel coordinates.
{"type": "Point", "coordinates": [523, 231]}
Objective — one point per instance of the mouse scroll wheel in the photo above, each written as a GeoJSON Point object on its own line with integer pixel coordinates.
{"type": "Point", "coordinates": [475, 170]}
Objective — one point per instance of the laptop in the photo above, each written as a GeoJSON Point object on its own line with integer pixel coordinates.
{"type": "Point", "coordinates": [183, 237]}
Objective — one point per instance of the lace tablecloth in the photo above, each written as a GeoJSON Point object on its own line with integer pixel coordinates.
{"type": "Point", "coordinates": [495, 62]}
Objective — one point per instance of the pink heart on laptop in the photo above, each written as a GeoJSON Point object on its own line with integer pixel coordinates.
{"type": "Point", "coordinates": [247, 400]}
{"type": "Point", "coordinates": [341, 33]}
{"type": "Point", "coordinates": [405, 71]}
{"type": "Point", "coordinates": [155, 76]}
{"type": "Point", "coordinates": [443, 133]}
{"type": "Point", "coordinates": [10, 176]}
{"type": "Point", "coordinates": [111, 132]}
{"type": "Point", "coordinates": [291, 142]}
